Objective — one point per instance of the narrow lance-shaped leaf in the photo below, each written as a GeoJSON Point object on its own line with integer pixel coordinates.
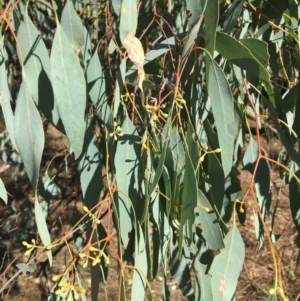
{"type": "Point", "coordinates": [72, 26]}
{"type": "Point", "coordinates": [127, 164]}
{"type": "Point", "coordinates": [206, 217]}
{"type": "Point", "coordinates": [133, 46]}
{"type": "Point", "coordinates": [140, 262]}
{"type": "Point", "coordinates": [226, 267]}
{"type": "Point", "coordinates": [95, 80]}
{"type": "Point", "coordinates": [36, 63]}
{"type": "Point", "coordinates": [223, 110]}
{"type": "Point", "coordinates": [232, 15]}
{"type": "Point", "coordinates": [5, 95]}
{"type": "Point", "coordinates": [29, 135]}
{"type": "Point", "coordinates": [69, 89]}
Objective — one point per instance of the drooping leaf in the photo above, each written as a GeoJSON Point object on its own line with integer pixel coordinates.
{"type": "Point", "coordinates": [179, 269]}
{"type": "Point", "coordinates": [42, 227]}
{"type": "Point", "coordinates": [72, 26]}
{"type": "Point", "coordinates": [29, 134]}
{"type": "Point", "coordinates": [119, 86]}
{"type": "Point", "coordinates": [217, 181]}
{"type": "Point", "coordinates": [223, 110]}
{"type": "Point", "coordinates": [160, 166]}
{"type": "Point", "coordinates": [35, 59]}
{"type": "Point", "coordinates": [69, 89]}
{"type": "Point", "coordinates": [5, 95]}
{"type": "Point", "coordinates": [232, 15]}
{"type": "Point", "coordinates": [128, 19]}
{"type": "Point", "coordinates": [127, 163]}
{"type": "Point", "coordinates": [226, 266]}
{"type": "Point", "coordinates": [206, 216]}
{"type": "Point", "coordinates": [87, 48]}
{"type": "Point", "coordinates": [140, 262]}
{"type": "Point", "coordinates": [188, 199]}
{"type": "Point", "coordinates": [95, 80]}
{"type": "Point", "coordinates": [91, 184]}
{"type": "Point", "coordinates": [195, 8]}
{"type": "Point", "coordinates": [203, 290]}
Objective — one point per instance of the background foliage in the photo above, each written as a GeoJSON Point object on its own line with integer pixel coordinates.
{"type": "Point", "coordinates": [155, 98]}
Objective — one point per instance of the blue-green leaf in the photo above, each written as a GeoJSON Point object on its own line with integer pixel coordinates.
{"type": "Point", "coordinates": [223, 110]}
{"type": "Point", "coordinates": [203, 290]}
{"type": "Point", "coordinates": [206, 216]}
{"type": "Point", "coordinates": [127, 164]}
{"type": "Point", "coordinates": [69, 89]}
{"type": "Point", "coordinates": [42, 227]}
{"type": "Point", "coordinates": [95, 80]}
{"type": "Point", "coordinates": [128, 19]}
{"type": "Point", "coordinates": [140, 262]}
{"type": "Point", "coordinates": [72, 26]}
{"type": "Point", "coordinates": [3, 193]}
{"type": "Point", "coordinates": [226, 267]}
{"type": "Point", "coordinates": [5, 95]}
{"type": "Point", "coordinates": [233, 14]}
{"type": "Point", "coordinates": [35, 60]}
{"type": "Point", "coordinates": [29, 134]}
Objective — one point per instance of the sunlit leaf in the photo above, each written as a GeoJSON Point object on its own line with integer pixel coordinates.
{"type": "Point", "coordinates": [95, 80]}
{"type": "Point", "coordinates": [223, 110]}
{"type": "Point", "coordinates": [35, 58]}
{"type": "Point", "coordinates": [127, 162]}
{"type": "Point", "coordinates": [3, 193]}
{"type": "Point", "coordinates": [140, 262]}
{"type": "Point", "coordinates": [226, 266]}
{"type": "Point", "coordinates": [206, 217]}
{"type": "Point", "coordinates": [29, 134]}
{"type": "Point", "coordinates": [72, 26]}
{"type": "Point", "coordinates": [69, 89]}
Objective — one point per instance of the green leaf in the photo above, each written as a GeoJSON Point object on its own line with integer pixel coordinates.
{"type": "Point", "coordinates": [35, 59]}
{"type": "Point", "coordinates": [69, 89]}
{"type": "Point", "coordinates": [160, 166]}
{"type": "Point", "coordinates": [233, 14]}
{"type": "Point", "coordinates": [72, 26]}
{"type": "Point", "coordinates": [5, 95]}
{"type": "Point", "coordinates": [95, 80]}
{"type": "Point", "coordinates": [119, 86]}
{"type": "Point", "coordinates": [216, 180]}
{"type": "Point", "coordinates": [180, 272]}
{"type": "Point", "coordinates": [87, 48]}
{"type": "Point", "coordinates": [191, 38]}
{"type": "Point", "coordinates": [241, 56]}
{"type": "Point", "coordinates": [42, 227]}
{"type": "Point", "coordinates": [188, 200]}
{"type": "Point", "coordinates": [127, 162]}
{"type": "Point", "coordinates": [140, 263]}
{"type": "Point", "coordinates": [29, 134]}
{"type": "Point", "coordinates": [128, 19]}
{"type": "Point", "coordinates": [223, 110]}
{"type": "Point", "coordinates": [259, 49]}
{"type": "Point", "coordinates": [226, 267]}
{"type": "Point", "coordinates": [195, 8]}
{"type": "Point", "coordinates": [211, 16]}
{"type": "Point", "coordinates": [3, 193]}
{"type": "Point", "coordinates": [206, 216]}
{"type": "Point", "coordinates": [203, 290]}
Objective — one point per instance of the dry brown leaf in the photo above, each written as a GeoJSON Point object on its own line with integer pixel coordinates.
{"type": "Point", "coordinates": [136, 54]}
